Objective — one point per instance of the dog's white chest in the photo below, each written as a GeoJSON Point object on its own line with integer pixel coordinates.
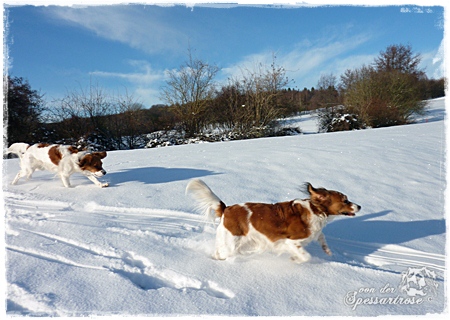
{"type": "Point", "coordinates": [317, 223]}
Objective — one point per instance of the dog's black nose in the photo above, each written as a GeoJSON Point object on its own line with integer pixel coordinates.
{"type": "Point", "coordinates": [103, 172]}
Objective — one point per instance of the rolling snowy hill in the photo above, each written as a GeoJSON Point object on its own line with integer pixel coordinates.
{"type": "Point", "coordinates": [139, 247]}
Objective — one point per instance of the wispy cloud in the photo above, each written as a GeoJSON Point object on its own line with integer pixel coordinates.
{"type": "Point", "coordinates": [130, 25]}
{"type": "Point", "coordinates": [144, 82]}
{"type": "Point", "coordinates": [145, 74]}
{"type": "Point", "coordinates": [308, 60]}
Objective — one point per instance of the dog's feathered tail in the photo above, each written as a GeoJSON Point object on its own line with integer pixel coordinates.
{"type": "Point", "coordinates": [18, 148]}
{"type": "Point", "coordinates": [206, 199]}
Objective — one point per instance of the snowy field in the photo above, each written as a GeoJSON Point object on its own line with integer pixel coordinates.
{"type": "Point", "coordinates": [139, 248]}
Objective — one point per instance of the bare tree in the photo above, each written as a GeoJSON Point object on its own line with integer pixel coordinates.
{"type": "Point", "coordinates": [399, 58]}
{"type": "Point", "coordinates": [358, 90]}
{"type": "Point", "coordinates": [128, 122]}
{"type": "Point", "coordinates": [261, 87]}
{"type": "Point", "coordinates": [229, 106]}
{"type": "Point", "coordinates": [79, 112]}
{"type": "Point", "coordinates": [326, 94]}
{"type": "Point", "coordinates": [326, 81]}
{"type": "Point", "coordinates": [190, 90]}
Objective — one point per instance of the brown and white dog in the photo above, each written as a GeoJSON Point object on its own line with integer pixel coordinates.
{"type": "Point", "coordinates": [61, 159]}
{"type": "Point", "coordinates": [282, 227]}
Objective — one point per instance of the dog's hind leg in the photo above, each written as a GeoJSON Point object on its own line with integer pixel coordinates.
{"type": "Point", "coordinates": [295, 249]}
{"type": "Point", "coordinates": [22, 173]}
{"type": "Point", "coordinates": [65, 180]}
{"type": "Point", "coordinates": [301, 255]}
{"type": "Point", "coordinates": [225, 242]}
{"type": "Point", "coordinates": [17, 178]}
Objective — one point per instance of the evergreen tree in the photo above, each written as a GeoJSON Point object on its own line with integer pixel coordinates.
{"type": "Point", "coordinates": [23, 111]}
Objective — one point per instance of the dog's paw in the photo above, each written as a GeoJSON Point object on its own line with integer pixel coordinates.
{"type": "Point", "coordinates": [219, 256]}
{"type": "Point", "coordinates": [298, 260]}
{"type": "Point", "coordinates": [327, 250]}
{"type": "Point", "coordinates": [302, 257]}
{"type": "Point", "coordinates": [104, 185]}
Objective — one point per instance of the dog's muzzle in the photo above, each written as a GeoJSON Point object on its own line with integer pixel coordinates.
{"type": "Point", "coordinates": [355, 209]}
{"type": "Point", "coordinates": [100, 173]}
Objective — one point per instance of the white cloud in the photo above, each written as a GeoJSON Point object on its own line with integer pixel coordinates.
{"type": "Point", "coordinates": [308, 60]}
{"type": "Point", "coordinates": [134, 26]}
{"type": "Point", "coordinates": [438, 62]}
{"type": "Point", "coordinates": [144, 75]}
{"type": "Point", "coordinates": [143, 83]}
{"type": "Point", "coordinates": [433, 62]}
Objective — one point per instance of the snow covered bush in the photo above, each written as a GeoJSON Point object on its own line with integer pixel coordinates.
{"type": "Point", "coordinates": [177, 137]}
{"type": "Point", "coordinates": [337, 118]}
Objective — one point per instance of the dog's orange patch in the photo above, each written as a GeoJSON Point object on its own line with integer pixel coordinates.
{"type": "Point", "coordinates": [54, 154]}
{"type": "Point", "coordinates": [41, 145]}
{"type": "Point", "coordinates": [73, 149]}
{"type": "Point", "coordinates": [284, 220]}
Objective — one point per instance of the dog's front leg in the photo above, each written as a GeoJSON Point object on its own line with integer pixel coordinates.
{"type": "Point", "coordinates": [324, 244]}
{"type": "Point", "coordinates": [98, 183]}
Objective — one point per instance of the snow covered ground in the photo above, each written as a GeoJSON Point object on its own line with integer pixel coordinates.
{"type": "Point", "coordinates": [139, 247]}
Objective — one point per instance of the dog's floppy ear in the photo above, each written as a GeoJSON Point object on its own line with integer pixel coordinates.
{"type": "Point", "coordinates": [101, 155]}
{"type": "Point", "coordinates": [317, 195]}
{"type": "Point", "coordinates": [82, 162]}
{"type": "Point", "coordinates": [308, 188]}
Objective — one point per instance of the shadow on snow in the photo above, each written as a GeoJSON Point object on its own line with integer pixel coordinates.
{"type": "Point", "coordinates": [153, 175]}
{"type": "Point", "coordinates": [365, 240]}
{"type": "Point", "coordinates": [363, 229]}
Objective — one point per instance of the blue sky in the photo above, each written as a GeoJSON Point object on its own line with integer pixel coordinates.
{"type": "Point", "coordinates": [129, 48]}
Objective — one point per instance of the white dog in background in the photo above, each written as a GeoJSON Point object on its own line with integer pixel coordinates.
{"type": "Point", "coordinates": [61, 159]}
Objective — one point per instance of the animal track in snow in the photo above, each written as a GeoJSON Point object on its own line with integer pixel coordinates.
{"type": "Point", "coordinates": [30, 304]}
{"type": "Point", "coordinates": [161, 225]}
{"type": "Point", "coordinates": [137, 269]}
{"type": "Point", "coordinates": [141, 272]}
{"type": "Point", "coordinates": [50, 257]}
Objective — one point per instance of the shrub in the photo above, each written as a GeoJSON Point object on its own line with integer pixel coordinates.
{"type": "Point", "coordinates": [338, 118]}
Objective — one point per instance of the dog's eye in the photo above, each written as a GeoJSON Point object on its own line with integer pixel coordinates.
{"type": "Point", "coordinates": [346, 201]}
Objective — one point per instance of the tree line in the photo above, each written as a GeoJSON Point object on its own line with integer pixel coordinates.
{"type": "Point", "coordinates": [387, 92]}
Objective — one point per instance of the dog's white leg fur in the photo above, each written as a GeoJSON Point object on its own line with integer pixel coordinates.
{"type": "Point", "coordinates": [324, 244]}
{"type": "Point", "coordinates": [23, 173]}
{"type": "Point", "coordinates": [65, 180]}
{"type": "Point", "coordinates": [254, 241]}
{"type": "Point", "coordinates": [297, 252]}
{"type": "Point", "coordinates": [225, 242]}
{"type": "Point", "coordinates": [26, 170]}
{"type": "Point", "coordinates": [30, 173]}
{"type": "Point", "coordinates": [17, 178]}
{"type": "Point", "coordinates": [301, 256]}
{"type": "Point", "coordinates": [95, 180]}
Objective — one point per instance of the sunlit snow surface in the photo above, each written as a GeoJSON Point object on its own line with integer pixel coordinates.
{"type": "Point", "coordinates": [139, 247]}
